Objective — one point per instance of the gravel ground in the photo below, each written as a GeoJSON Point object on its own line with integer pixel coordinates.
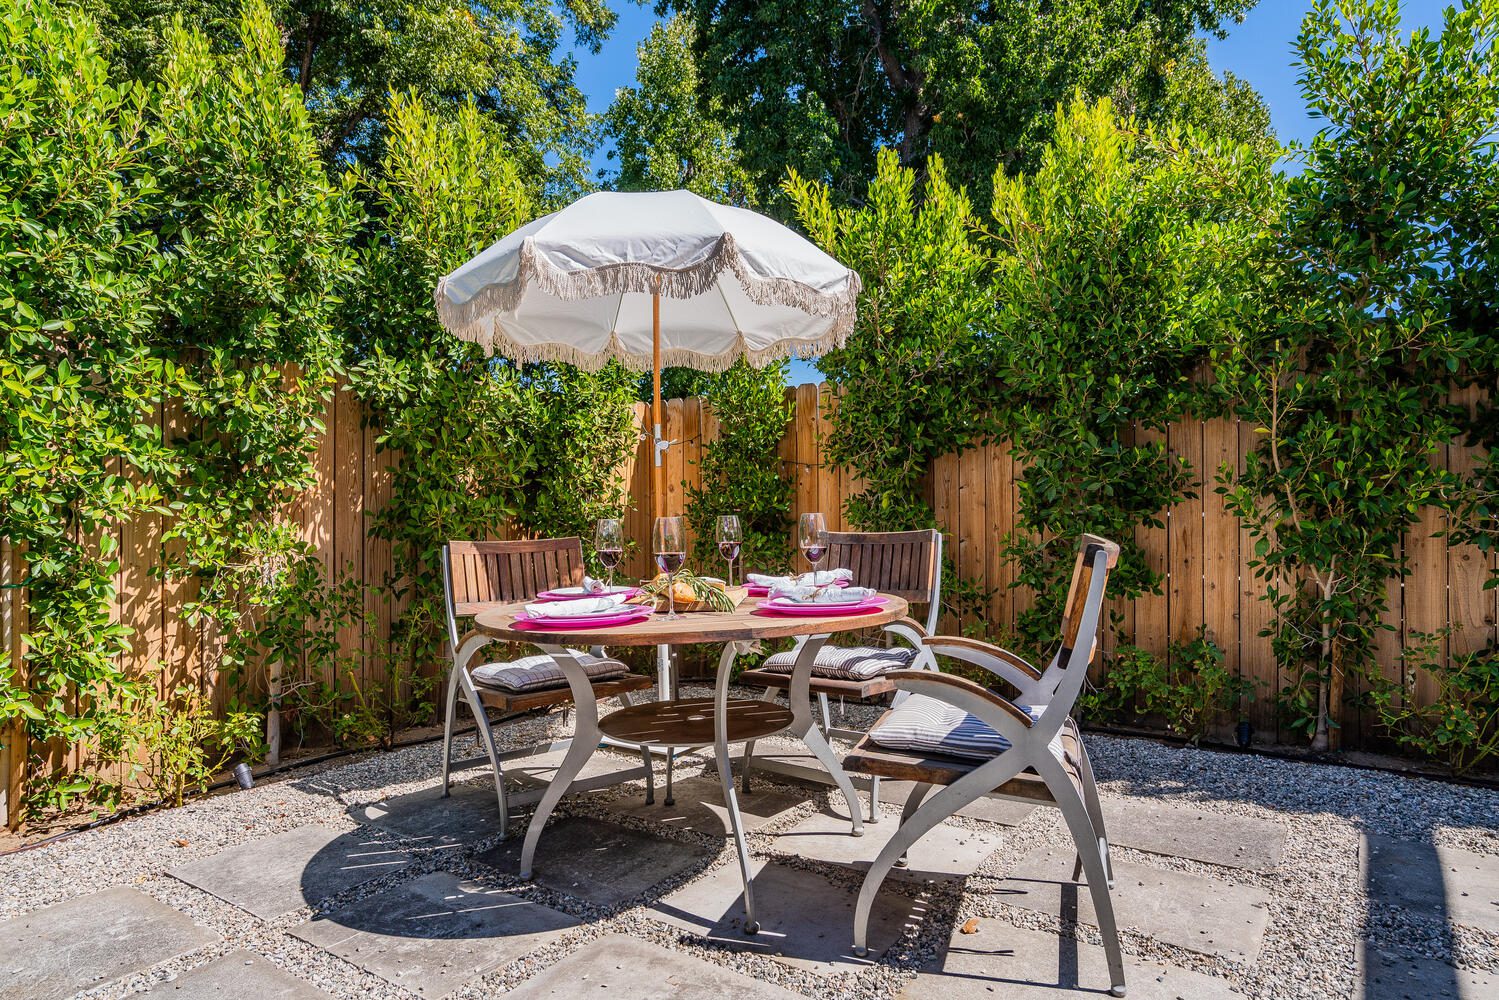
{"type": "Point", "coordinates": [1319, 907]}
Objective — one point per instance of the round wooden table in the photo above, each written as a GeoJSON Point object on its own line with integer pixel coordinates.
{"type": "Point", "coordinates": [691, 722]}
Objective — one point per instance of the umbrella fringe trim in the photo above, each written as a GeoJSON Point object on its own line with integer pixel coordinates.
{"type": "Point", "coordinates": [494, 341]}
{"type": "Point", "coordinates": [476, 319]}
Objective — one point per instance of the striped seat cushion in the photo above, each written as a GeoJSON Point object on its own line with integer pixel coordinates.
{"type": "Point", "coordinates": [924, 725]}
{"type": "Point", "coordinates": [850, 663]}
{"type": "Point", "coordinates": [539, 671]}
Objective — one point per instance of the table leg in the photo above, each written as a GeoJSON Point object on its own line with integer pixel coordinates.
{"type": "Point", "coordinates": [803, 727]}
{"type": "Point", "coordinates": [726, 779]}
{"type": "Point", "coordinates": [585, 742]}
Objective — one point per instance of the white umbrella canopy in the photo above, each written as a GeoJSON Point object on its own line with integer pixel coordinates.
{"type": "Point", "coordinates": [578, 286]}
{"type": "Point", "coordinates": [651, 279]}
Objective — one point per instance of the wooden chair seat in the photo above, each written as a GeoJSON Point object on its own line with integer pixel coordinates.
{"type": "Point", "coordinates": [868, 757]}
{"type": "Point", "coordinates": [525, 701]}
{"type": "Point", "coordinates": [871, 687]}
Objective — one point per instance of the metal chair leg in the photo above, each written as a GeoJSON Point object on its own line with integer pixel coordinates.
{"type": "Point", "coordinates": [913, 802]}
{"type": "Point", "coordinates": [671, 755]}
{"type": "Point", "coordinates": [874, 799]}
{"type": "Point", "coordinates": [650, 774]}
{"type": "Point", "coordinates": [827, 715]}
{"type": "Point", "coordinates": [447, 728]}
{"type": "Point", "coordinates": [1080, 824]}
{"type": "Point", "coordinates": [929, 813]}
{"type": "Point", "coordinates": [1095, 811]}
{"type": "Point", "coordinates": [486, 738]}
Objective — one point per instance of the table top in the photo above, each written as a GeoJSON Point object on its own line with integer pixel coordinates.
{"type": "Point", "coordinates": [743, 623]}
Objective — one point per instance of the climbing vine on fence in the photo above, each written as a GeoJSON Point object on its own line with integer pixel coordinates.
{"type": "Point", "coordinates": [741, 469]}
{"type": "Point", "coordinates": [1120, 263]}
{"type": "Point", "coordinates": [1382, 247]}
{"type": "Point", "coordinates": [476, 445]}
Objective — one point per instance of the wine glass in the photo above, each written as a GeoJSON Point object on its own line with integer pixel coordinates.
{"type": "Point", "coordinates": [609, 544]}
{"type": "Point", "coordinates": [813, 538]}
{"type": "Point", "coordinates": [670, 545]}
{"type": "Point", "coordinates": [730, 536]}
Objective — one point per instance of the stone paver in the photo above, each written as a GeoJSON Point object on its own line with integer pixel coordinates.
{"type": "Point", "coordinates": [239, 975]}
{"type": "Point", "coordinates": [1190, 911]}
{"type": "Point", "coordinates": [435, 933]}
{"type": "Point", "coordinates": [946, 852]}
{"type": "Point", "coordinates": [617, 966]}
{"type": "Point", "coordinates": [1178, 830]}
{"type": "Point", "coordinates": [806, 920]}
{"type": "Point", "coordinates": [1434, 881]}
{"type": "Point", "coordinates": [605, 767]}
{"type": "Point", "coordinates": [603, 863]}
{"type": "Point", "coordinates": [274, 875]}
{"type": "Point", "coordinates": [1006, 961]}
{"type": "Point", "coordinates": [804, 769]}
{"type": "Point", "coordinates": [1006, 812]}
{"type": "Point", "coordinates": [699, 806]}
{"type": "Point", "coordinates": [1394, 976]}
{"type": "Point", "coordinates": [83, 942]}
{"type": "Point", "coordinates": [428, 820]}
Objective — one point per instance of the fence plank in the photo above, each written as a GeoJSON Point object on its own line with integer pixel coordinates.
{"type": "Point", "coordinates": [1220, 541]}
{"type": "Point", "coordinates": [1152, 624]}
{"type": "Point", "coordinates": [1204, 550]}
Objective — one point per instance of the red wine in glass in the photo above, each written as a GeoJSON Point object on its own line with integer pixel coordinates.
{"type": "Point", "coordinates": [729, 550]}
{"type": "Point", "coordinates": [814, 553]}
{"type": "Point", "coordinates": [610, 558]}
{"type": "Point", "coordinates": [670, 562]}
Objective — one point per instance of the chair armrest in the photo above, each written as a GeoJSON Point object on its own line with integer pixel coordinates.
{"type": "Point", "coordinates": [908, 629]}
{"type": "Point", "coordinates": [1008, 666]}
{"type": "Point", "coordinates": [473, 634]}
{"type": "Point", "coordinates": [1003, 715]}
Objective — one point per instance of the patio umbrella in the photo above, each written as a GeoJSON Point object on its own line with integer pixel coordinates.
{"type": "Point", "coordinates": [651, 279]}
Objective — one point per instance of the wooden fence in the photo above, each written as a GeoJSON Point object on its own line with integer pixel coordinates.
{"type": "Point", "coordinates": [1202, 550]}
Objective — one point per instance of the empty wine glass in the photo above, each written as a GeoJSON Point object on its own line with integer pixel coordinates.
{"type": "Point", "coordinates": [609, 544]}
{"type": "Point", "coordinates": [730, 537]}
{"type": "Point", "coordinates": [813, 538]}
{"type": "Point", "coordinates": [669, 543]}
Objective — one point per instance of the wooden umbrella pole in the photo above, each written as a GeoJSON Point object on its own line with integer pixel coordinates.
{"type": "Point", "coordinates": [658, 474]}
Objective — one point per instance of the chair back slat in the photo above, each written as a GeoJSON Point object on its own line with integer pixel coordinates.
{"type": "Point", "coordinates": [486, 572]}
{"type": "Point", "coordinates": [903, 563]}
{"type": "Point", "coordinates": [1077, 592]}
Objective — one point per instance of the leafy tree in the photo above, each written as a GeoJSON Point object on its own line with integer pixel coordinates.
{"type": "Point", "coordinates": [822, 87]}
{"type": "Point", "coordinates": [667, 133]}
{"type": "Point", "coordinates": [476, 444]}
{"type": "Point", "coordinates": [1121, 262]}
{"type": "Point", "coordinates": [912, 374]}
{"type": "Point", "coordinates": [346, 57]}
{"type": "Point", "coordinates": [1348, 379]}
{"type": "Point", "coordinates": [75, 296]}
{"type": "Point", "coordinates": [173, 285]}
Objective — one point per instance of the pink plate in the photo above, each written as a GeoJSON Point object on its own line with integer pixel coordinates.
{"type": "Point", "coordinates": [636, 613]}
{"type": "Point", "coordinates": [576, 593]}
{"type": "Point", "coordinates": [755, 591]}
{"type": "Point", "coordinates": [865, 607]}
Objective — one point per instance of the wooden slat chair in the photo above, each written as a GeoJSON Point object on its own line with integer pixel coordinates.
{"type": "Point", "coordinates": [966, 741]}
{"type": "Point", "coordinates": [476, 574]}
{"type": "Point", "coordinates": [906, 564]}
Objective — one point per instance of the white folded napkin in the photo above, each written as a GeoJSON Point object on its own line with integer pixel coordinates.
{"type": "Point", "coordinates": [821, 578]}
{"type": "Point", "coordinates": [573, 609]}
{"type": "Point", "coordinates": [822, 595]}
{"type": "Point", "coordinates": [592, 586]}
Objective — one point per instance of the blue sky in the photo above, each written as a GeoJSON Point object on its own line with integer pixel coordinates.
{"type": "Point", "coordinates": [1259, 50]}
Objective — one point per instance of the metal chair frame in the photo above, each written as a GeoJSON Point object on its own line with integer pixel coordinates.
{"type": "Point", "coordinates": [1058, 688]}
{"type": "Point", "coordinates": [909, 630]}
{"type": "Point", "coordinates": [462, 652]}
